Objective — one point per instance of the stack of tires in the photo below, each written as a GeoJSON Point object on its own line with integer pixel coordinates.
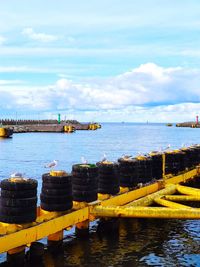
{"type": "Point", "coordinates": [84, 182]}
{"type": "Point", "coordinates": [193, 156]}
{"type": "Point", "coordinates": [172, 162]}
{"type": "Point", "coordinates": [198, 149]}
{"type": "Point", "coordinates": [18, 201]}
{"type": "Point", "coordinates": [144, 169]}
{"type": "Point", "coordinates": [196, 154]}
{"type": "Point", "coordinates": [108, 179]}
{"type": "Point", "coordinates": [128, 172]}
{"type": "Point", "coordinates": [189, 156]}
{"type": "Point", "coordinates": [183, 160]}
{"type": "Point", "coordinates": [56, 192]}
{"type": "Point", "coordinates": [157, 165]}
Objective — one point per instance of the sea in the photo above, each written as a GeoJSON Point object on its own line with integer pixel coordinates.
{"type": "Point", "coordinates": [135, 242]}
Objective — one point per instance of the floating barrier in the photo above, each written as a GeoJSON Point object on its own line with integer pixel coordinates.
{"type": "Point", "coordinates": [95, 192]}
{"type": "Point", "coordinates": [6, 132]}
{"type": "Point", "coordinates": [69, 129]}
{"type": "Point", "coordinates": [94, 126]}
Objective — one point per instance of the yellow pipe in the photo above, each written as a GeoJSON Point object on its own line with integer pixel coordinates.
{"type": "Point", "coordinates": [170, 204]}
{"type": "Point", "coordinates": [188, 190]}
{"type": "Point", "coordinates": [145, 212]}
{"type": "Point", "coordinates": [182, 177]}
{"type": "Point", "coordinates": [148, 200]}
{"type": "Point", "coordinates": [132, 195]}
{"type": "Point", "coordinates": [182, 198]}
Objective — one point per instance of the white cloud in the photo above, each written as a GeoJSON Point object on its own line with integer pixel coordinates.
{"type": "Point", "coordinates": [168, 113]}
{"type": "Point", "coordinates": [42, 37]}
{"type": "Point", "coordinates": [10, 82]}
{"type": "Point", "coordinates": [149, 92]}
{"type": "Point", "coordinates": [27, 69]}
{"type": "Point", "coordinates": [2, 40]}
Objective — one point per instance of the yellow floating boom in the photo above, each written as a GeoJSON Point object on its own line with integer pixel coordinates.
{"type": "Point", "coordinates": [146, 212]}
{"type": "Point", "coordinates": [5, 132]}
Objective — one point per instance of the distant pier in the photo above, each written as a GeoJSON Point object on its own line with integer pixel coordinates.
{"type": "Point", "coordinates": [23, 126]}
{"type": "Point", "coordinates": [191, 124]}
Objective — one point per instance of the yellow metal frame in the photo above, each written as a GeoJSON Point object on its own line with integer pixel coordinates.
{"type": "Point", "coordinates": [50, 223]}
{"type": "Point", "coordinates": [41, 230]}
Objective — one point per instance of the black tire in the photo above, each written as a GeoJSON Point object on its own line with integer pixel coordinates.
{"type": "Point", "coordinates": [55, 199]}
{"type": "Point", "coordinates": [111, 191]}
{"type": "Point", "coordinates": [55, 186]}
{"type": "Point", "coordinates": [127, 184]}
{"type": "Point", "coordinates": [129, 179]}
{"type": "Point", "coordinates": [47, 178]}
{"type": "Point", "coordinates": [131, 162]}
{"type": "Point", "coordinates": [124, 160]}
{"type": "Point", "coordinates": [83, 193]}
{"type": "Point", "coordinates": [24, 202]}
{"type": "Point", "coordinates": [83, 181]}
{"type": "Point", "coordinates": [85, 198]}
{"type": "Point", "coordinates": [56, 192]}
{"type": "Point", "coordinates": [79, 175]}
{"type": "Point", "coordinates": [26, 218]}
{"type": "Point", "coordinates": [108, 186]}
{"type": "Point", "coordinates": [108, 180]}
{"type": "Point", "coordinates": [85, 168]}
{"type": "Point", "coordinates": [81, 188]}
{"type": "Point", "coordinates": [107, 168]}
{"type": "Point", "coordinates": [129, 173]}
{"type": "Point", "coordinates": [13, 211]}
{"type": "Point", "coordinates": [18, 184]}
{"type": "Point", "coordinates": [19, 194]}
{"type": "Point", "coordinates": [56, 207]}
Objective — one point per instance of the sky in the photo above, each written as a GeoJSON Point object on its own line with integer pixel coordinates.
{"type": "Point", "coordinates": [106, 61]}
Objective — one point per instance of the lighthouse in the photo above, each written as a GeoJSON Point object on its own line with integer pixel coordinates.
{"type": "Point", "coordinates": [197, 119]}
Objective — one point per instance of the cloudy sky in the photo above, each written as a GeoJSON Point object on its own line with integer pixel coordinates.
{"type": "Point", "coordinates": [108, 60]}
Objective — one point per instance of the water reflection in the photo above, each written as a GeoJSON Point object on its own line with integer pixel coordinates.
{"type": "Point", "coordinates": [138, 242]}
{"type": "Point", "coordinates": [128, 242]}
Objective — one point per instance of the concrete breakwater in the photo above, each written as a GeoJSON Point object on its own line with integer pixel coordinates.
{"type": "Point", "coordinates": [23, 126]}
{"type": "Point", "coordinates": [191, 124]}
{"type": "Point", "coordinates": [45, 128]}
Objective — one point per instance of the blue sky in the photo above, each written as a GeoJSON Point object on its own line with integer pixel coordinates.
{"type": "Point", "coordinates": [100, 60]}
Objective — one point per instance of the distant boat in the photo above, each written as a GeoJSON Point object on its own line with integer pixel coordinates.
{"type": "Point", "coordinates": [169, 124]}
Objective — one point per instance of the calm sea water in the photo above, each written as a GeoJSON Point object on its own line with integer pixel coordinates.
{"type": "Point", "coordinates": [136, 242]}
